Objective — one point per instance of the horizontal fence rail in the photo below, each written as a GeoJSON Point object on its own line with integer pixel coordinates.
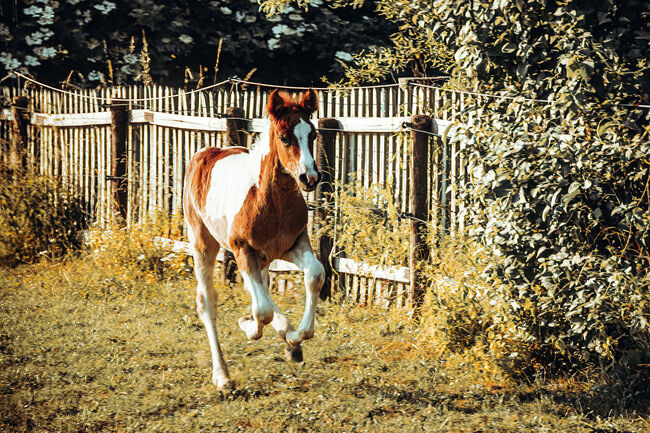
{"type": "Point", "coordinates": [197, 123]}
{"type": "Point", "coordinates": [370, 133]}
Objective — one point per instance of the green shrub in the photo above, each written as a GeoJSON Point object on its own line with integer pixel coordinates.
{"type": "Point", "coordinates": [565, 211]}
{"type": "Point", "coordinates": [38, 217]}
{"type": "Point", "coordinates": [559, 192]}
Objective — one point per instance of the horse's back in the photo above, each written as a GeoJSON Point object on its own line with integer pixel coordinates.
{"type": "Point", "coordinates": [198, 175]}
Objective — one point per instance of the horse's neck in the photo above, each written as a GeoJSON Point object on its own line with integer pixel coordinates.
{"type": "Point", "coordinates": [273, 178]}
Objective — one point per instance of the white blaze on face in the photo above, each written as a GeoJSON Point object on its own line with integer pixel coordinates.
{"type": "Point", "coordinates": [306, 164]}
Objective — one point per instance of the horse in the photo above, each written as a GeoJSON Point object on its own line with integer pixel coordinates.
{"type": "Point", "coordinates": [250, 203]}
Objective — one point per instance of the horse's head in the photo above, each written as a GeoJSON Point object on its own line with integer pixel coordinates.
{"type": "Point", "coordinates": [293, 134]}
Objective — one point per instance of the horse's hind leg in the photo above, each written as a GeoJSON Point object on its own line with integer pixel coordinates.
{"type": "Point", "coordinates": [205, 249]}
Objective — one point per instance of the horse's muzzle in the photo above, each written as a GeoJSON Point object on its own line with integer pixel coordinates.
{"type": "Point", "coordinates": [306, 185]}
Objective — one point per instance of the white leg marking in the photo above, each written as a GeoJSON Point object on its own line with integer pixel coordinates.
{"type": "Point", "coordinates": [280, 323]}
{"type": "Point", "coordinates": [206, 299]}
{"type": "Point", "coordinates": [303, 257]}
{"type": "Point", "coordinates": [262, 305]}
{"type": "Point", "coordinates": [292, 352]}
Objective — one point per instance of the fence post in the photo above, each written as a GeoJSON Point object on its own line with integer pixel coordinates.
{"type": "Point", "coordinates": [236, 127]}
{"type": "Point", "coordinates": [21, 117]}
{"type": "Point", "coordinates": [325, 154]}
{"type": "Point", "coordinates": [418, 203]}
{"type": "Point", "coordinates": [118, 179]}
{"type": "Point", "coordinates": [236, 135]}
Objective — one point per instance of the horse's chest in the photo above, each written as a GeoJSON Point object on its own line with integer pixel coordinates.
{"type": "Point", "coordinates": [272, 229]}
{"type": "Point", "coordinates": [276, 231]}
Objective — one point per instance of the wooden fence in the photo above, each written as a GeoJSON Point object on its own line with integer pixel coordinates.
{"type": "Point", "coordinates": [73, 134]}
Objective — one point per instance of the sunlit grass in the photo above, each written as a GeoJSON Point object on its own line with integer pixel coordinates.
{"type": "Point", "coordinates": [92, 343]}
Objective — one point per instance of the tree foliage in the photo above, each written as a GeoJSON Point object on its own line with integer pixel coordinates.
{"type": "Point", "coordinates": [560, 189]}
{"type": "Point", "coordinates": [103, 42]}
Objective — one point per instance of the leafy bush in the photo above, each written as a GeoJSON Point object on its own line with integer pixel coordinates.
{"type": "Point", "coordinates": [38, 216]}
{"type": "Point", "coordinates": [559, 190]}
{"type": "Point", "coordinates": [564, 209]}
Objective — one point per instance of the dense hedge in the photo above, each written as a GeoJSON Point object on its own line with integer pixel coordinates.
{"type": "Point", "coordinates": [560, 190]}
{"type": "Point", "coordinates": [566, 214]}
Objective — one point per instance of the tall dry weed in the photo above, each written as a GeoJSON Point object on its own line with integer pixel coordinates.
{"type": "Point", "coordinates": [39, 217]}
{"type": "Point", "coordinates": [138, 251]}
{"type": "Point", "coordinates": [366, 225]}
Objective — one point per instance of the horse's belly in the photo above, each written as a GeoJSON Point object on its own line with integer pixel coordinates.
{"type": "Point", "coordinates": [274, 237]}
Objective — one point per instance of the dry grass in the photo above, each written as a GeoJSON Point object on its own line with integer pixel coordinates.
{"type": "Point", "coordinates": [85, 347]}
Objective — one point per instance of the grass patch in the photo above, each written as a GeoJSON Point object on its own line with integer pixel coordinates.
{"type": "Point", "coordinates": [85, 347]}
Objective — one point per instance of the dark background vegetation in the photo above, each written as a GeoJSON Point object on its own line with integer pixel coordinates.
{"type": "Point", "coordinates": [101, 42]}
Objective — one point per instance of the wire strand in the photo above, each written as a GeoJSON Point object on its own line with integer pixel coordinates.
{"type": "Point", "coordinates": [410, 82]}
{"type": "Point", "coordinates": [324, 89]}
{"type": "Point", "coordinates": [102, 98]}
{"type": "Point", "coordinates": [488, 95]}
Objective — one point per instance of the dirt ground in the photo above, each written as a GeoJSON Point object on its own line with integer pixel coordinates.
{"type": "Point", "coordinates": [88, 350]}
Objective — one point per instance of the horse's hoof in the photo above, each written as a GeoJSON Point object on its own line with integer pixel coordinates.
{"type": "Point", "coordinates": [226, 387]}
{"type": "Point", "coordinates": [223, 383]}
{"type": "Point", "coordinates": [250, 327]}
{"type": "Point", "coordinates": [293, 353]}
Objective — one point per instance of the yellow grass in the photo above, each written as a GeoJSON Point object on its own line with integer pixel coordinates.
{"type": "Point", "coordinates": [92, 343]}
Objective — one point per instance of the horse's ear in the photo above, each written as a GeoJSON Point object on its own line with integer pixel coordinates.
{"type": "Point", "coordinates": [276, 105]}
{"type": "Point", "coordinates": [309, 101]}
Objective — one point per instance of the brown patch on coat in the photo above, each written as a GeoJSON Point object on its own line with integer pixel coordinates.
{"type": "Point", "coordinates": [195, 192]}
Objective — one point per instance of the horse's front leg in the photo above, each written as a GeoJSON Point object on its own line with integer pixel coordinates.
{"type": "Point", "coordinates": [261, 303]}
{"type": "Point", "coordinates": [292, 352]}
{"type": "Point", "coordinates": [303, 256]}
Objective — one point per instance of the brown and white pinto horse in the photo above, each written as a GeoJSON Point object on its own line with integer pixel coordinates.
{"type": "Point", "coordinates": [251, 204]}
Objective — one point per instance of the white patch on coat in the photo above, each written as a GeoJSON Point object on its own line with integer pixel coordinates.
{"type": "Point", "coordinates": [230, 181]}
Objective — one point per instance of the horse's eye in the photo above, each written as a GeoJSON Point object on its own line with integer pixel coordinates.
{"type": "Point", "coordinates": [284, 139]}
